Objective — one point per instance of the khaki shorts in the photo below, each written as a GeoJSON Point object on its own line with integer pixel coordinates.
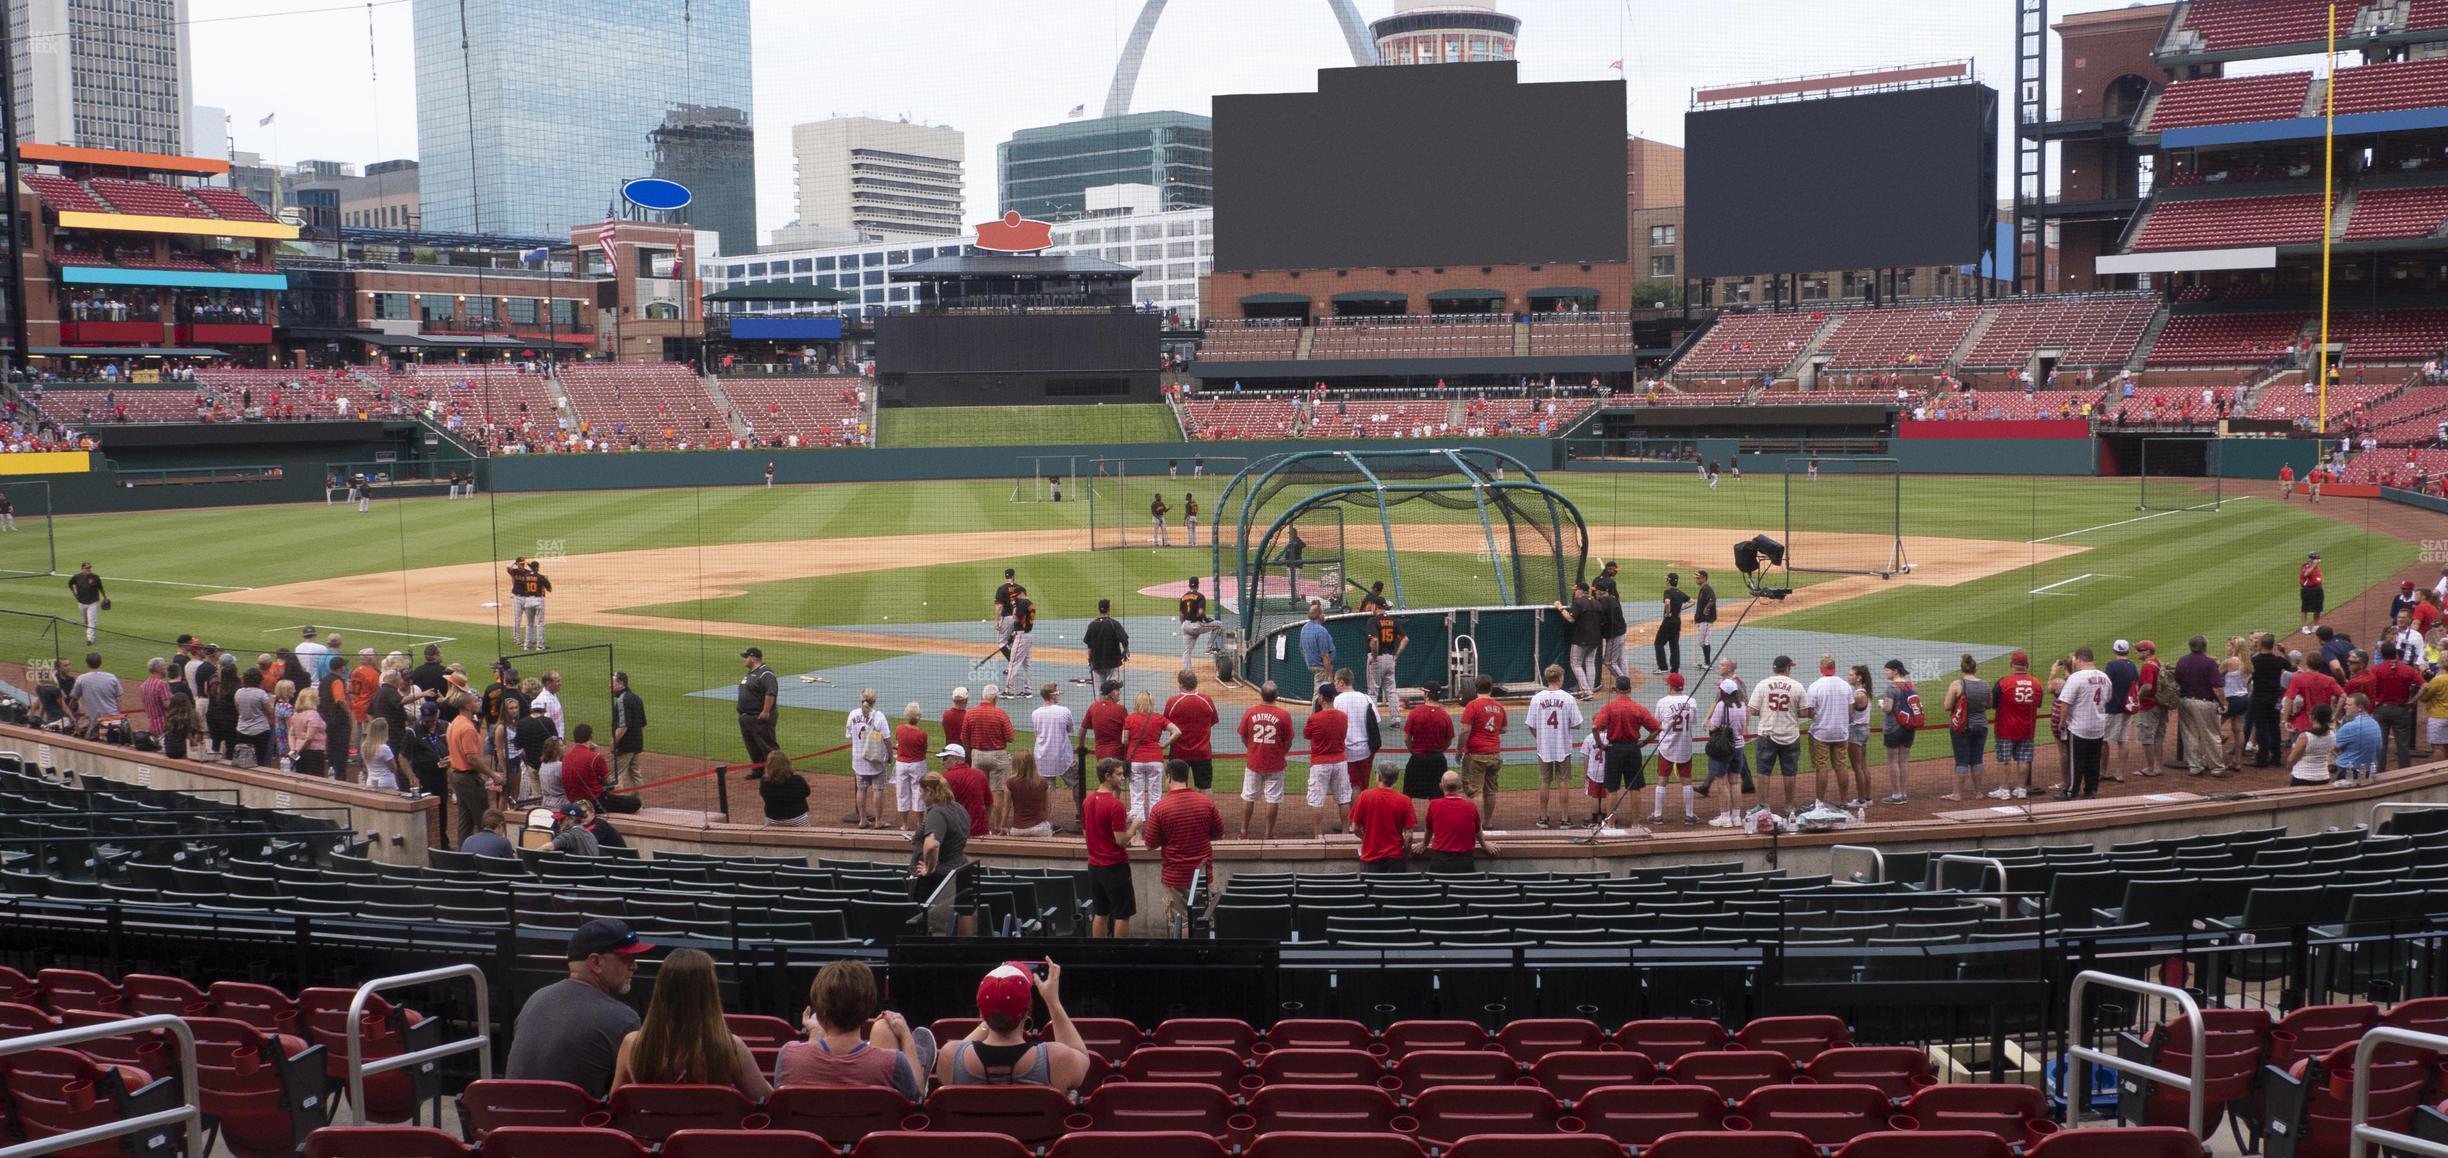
{"type": "Point", "coordinates": [995, 763]}
{"type": "Point", "coordinates": [2149, 724]}
{"type": "Point", "coordinates": [1479, 773]}
{"type": "Point", "coordinates": [2120, 726]}
{"type": "Point", "coordinates": [1554, 772]}
{"type": "Point", "coordinates": [1176, 904]}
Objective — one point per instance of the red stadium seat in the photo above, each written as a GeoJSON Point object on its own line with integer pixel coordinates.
{"type": "Point", "coordinates": [1732, 1144]}
{"type": "Point", "coordinates": [1207, 1065]}
{"type": "Point", "coordinates": [930, 1144]}
{"type": "Point", "coordinates": [1033, 1114]}
{"type": "Point", "coordinates": [150, 993]}
{"type": "Point", "coordinates": [64, 990]}
{"type": "Point", "coordinates": [1799, 1038]}
{"type": "Point", "coordinates": [149, 1051]}
{"type": "Point", "coordinates": [2235, 1042]}
{"type": "Point", "coordinates": [1218, 1032]}
{"type": "Point", "coordinates": [2316, 1029]}
{"type": "Point", "coordinates": [18, 1019]}
{"type": "Point", "coordinates": [1533, 1038]}
{"type": "Point", "coordinates": [1571, 1074]}
{"type": "Point", "coordinates": [260, 1006]}
{"type": "Point", "coordinates": [2001, 1110]}
{"type": "Point", "coordinates": [1732, 1073]}
{"type": "Point", "coordinates": [1668, 1039]}
{"type": "Point", "coordinates": [951, 1029]}
{"type": "Point", "coordinates": [1160, 1107]}
{"type": "Point", "coordinates": [1319, 1033]}
{"type": "Point", "coordinates": [1925, 1144]}
{"type": "Point", "coordinates": [652, 1113]}
{"type": "Point", "coordinates": [1313, 1144]}
{"type": "Point", "coordinates": [60, 1091]}
{"type": "Point", "coordinates": [489, 1104]}
{"type": "Point", "coordinates": [2119, 1142]}
{"type": "Point", "coordinates": [764, 1036]}
{"type": "Point", "coordinates": [1448, 1114]}
{"type": "Point", "coordinates": [1640, 1115]}
{"type": "Point", "coordinates": [1535, 1146]}
{"type": "Point", "coordinates": [264, 1092]}
{"type": "Point", "coordinates": [1322, 1109]}
{"type": "Point", "coordinates": [1320, 1067]}
{"type": "Point", "coordinates": [560, 1142]}
{"type": "Point", "coordinates": [1453, 1067]}
{"type": "Point", "coordinates": [746, 1144]}
{"type": "Point", "coordinates": [1111, 1038]}
{"type": "Point", "coordinates": [838, 1114]}
{"type": "Point", "coordinates": [383, 1142]}
{"type": "Point", "coordinates": [1404, 1037]}
{"type": "Point", "coordinates": [1137, 1144]}
{"type": "Point", "coordinates": [382, 1033]}
{"type": "Point", "coordinates": [1897, 1070]}
{"type": "Point", "coordinates": [2422, 1015]}
{"type": "Point", "coordinates": [1827, 1115]}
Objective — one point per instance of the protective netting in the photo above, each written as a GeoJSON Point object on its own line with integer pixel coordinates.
{"type": "Point", "coordinates": [2178, 474]}
{"type": "Point", "coordinates": [1844, 516]}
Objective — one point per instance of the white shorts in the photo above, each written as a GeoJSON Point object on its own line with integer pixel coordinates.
{"type": "Point", "coordinates": [1255, 785]}
{"type": "Point", "coordinates": [1329, 777]}
{"type": "Point", "coordinates": [905, 779]}
{"type": "Point", "coordinates": [2120, 726]}
{"type": "Point", "coordinates": [2435, 731]}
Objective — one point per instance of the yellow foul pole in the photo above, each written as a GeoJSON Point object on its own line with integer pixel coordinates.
{"type": "Point", "coordinates": [2320, 361]}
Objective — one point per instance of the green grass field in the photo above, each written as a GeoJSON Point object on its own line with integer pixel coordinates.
{"type": "Point", "coordinates": [954, 426]}
{"type": "Point", "coordinates": [2162, 576]}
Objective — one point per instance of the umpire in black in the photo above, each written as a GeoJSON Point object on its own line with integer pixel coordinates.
{"type": "Point", "coordinates": [759, 692]}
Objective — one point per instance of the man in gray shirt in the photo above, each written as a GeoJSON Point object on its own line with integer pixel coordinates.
{"type": "Point", "coordinates": [571, 1031]}
{"type": "Point", "coordinates": [254, 719]}
{"type": "Point", "coordinates": [95, 693]}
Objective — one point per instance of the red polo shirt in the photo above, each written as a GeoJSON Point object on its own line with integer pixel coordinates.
{"type": "Point", "coordinates": [1103, 817]}
{"type": "Point", "coordinates": [1183, 827]}
{"type": "Point", "coordinates": [1381, 816]}
{"type": "Point", "coordinates": [1427, 729]}
{"type": "Point", "coordinates": [1453, 825]}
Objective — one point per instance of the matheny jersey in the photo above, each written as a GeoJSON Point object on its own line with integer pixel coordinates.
{"type": "Point", "coordinates": [1554, 713]}
{"type": "Point", "coordinates": [1193, 607]}
{"type": "Point", "coordinates": [1676, 714]}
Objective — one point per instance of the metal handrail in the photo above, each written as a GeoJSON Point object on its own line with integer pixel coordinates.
{"type": "Point", "coordinates": [2080, 1057]}
{"type": "Point", "coordinates": [2387, 806]}
{"type": "Point", "coordinates": [481, 1044]}
{"type": "Point", "coordinates": [2361, 1133]}
{"type": "Point", "coordinates": [1878, 861]}
{"type": "Point", "coordinates": [189, 1117]}
{"type": "Point", "coordinates": [1990, 863]}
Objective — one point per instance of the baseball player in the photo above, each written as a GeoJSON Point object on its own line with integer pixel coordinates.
{"type": "Point", "coordinates": [365, 492]}
{"type": "Point", "coordinates": [1195, 621]}
{"type": "Point", "coordinates": [1190, 515]}
{"type": "Point", "coordinates": [1023, 624]}
{"type": "Point", "coordinates": [1156, 520]}
{"type": "Point", "coordinates": [1002, 615]}
{"type": "Point", "coordinates": [1108, 644]}
{"type": "Point", "coordinates": [8, 514]}
{"type": "Point", "coordinates": [91, 599]}
{"type": "Point", "coordinates": [769, 486]}
{"type": "Point", "coordinates": [1704, 613]}
{"type": "Point", "coordinates": [1386, 641]}
{"type": "Point", "coordinates": [528, 587]}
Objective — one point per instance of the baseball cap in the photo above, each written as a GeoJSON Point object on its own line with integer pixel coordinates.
{"type": "Point", "coordinates": [1674, 679]}
{"type": "Point", "coordinates": [2121, 647]}
{"type": "Point", "coordinates": [1729, 685]}
{"type": "Point", "coordinates": [2407, 585]}
{"type": "Point", "coordinates": [2313, 555]}
{"type": "Point", "coordinates": [605, 935]}
{"type": "Point", "coordinates": [955, 751]}
{"type": "Point", "coordinates": [2146, 645]}
{"type": "Point", "coordinates": [753, 653]}
{"type": "Point", "coordinates": [1006, 990]}
{"type": "Point", "coordinates": [2021, 657]}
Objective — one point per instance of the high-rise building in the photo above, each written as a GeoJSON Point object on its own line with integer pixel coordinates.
{"type": "Point", "coordinates": [208, 135]}
{"type": "Point", "coordinates": [514, 139]}
{"type": "Point", "coordinates": [102, 74]}
{"type": "Point", "coordinates": [1440, 32]}
{"type": "Point", "coordinates": [882, 179]}
{"type": "Point", "coordinates": [1047, 171]}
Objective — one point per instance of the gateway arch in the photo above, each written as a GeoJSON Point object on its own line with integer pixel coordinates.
{"type": "Point", "coordinates": [1134, 52]}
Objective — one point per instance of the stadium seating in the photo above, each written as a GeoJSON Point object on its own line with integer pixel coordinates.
{"type": "Point", "coordinates": [819, 411]}
{"type": "Point", "coordinates": [2391, 85]}
{"type": "Point", "coordinates": [2093, 331]}
{"type": "Point", "coordinates": [2229, 100]}
{"type": "Point", "coordinates": [73, 404]}
{"type": "Point", "coordinates": [1750, 344]}
{"type": "Point", "coordinates": [2164, 406]}
{"type": "Point", "coordinates": [2404, 336]}
{"type": "Point", "coordinates": [2228, 25]}
{"type": "Point", "coordinates": [1234, 340]}
{"type": "Point", "coordinates": [65, 194]}
{"type": "Point", "coordinates": [2003, 405]}
{"type": "Point", "coordinates": [1608, 333]}
{"type": "Point", "coordinates": [146, 197]}
{"type": "Point", "coordinates": [2381, 214]}
{"type": "Point", "coordinates": [1413, 337]}
{"type": "Point", "coordinates": [1524, 415]}
{"type": "Point", "coordinates": [229, 204]}
{"type": "Point", "coordinates": [1894, 338]}
{"type": "Point", "coordinates": [2227, 222]}
{"type": "Point", "coordinates": [2344, 399]}
{"type": "Point", "coordinates": [2226, 339]}
{"type": "Point", "coordinates": [646, 400]}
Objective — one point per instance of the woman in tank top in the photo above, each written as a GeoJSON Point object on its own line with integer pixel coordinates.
{"type": "Point", "coordinates": [1967, 711]}
{"type": "Point", "coordinates": [998, 1052]}
{"type": "Point", "coordinates": [840, 1000]}
{"type": "Point", "coordinates": [2308, 765]}
{"type": "Point", "coordinates": [684, 1039]}
{"type": "Point", "coordinates": [2235, 674]}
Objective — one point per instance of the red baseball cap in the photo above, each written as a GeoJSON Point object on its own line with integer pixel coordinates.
{"type": "Point", "coordinates": [1007, 990]}
{"type": "Point", "coordinates": [2407, 585]}
{"type": "Point", "coordinates": [2019, 658]}
{"type": "Point", "coordinates": [1674, 679]}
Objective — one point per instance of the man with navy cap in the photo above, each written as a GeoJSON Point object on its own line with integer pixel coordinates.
{"type": "Point", "coordinates": [571, 1030]}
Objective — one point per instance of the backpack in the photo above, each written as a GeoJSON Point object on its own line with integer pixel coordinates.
{"type": "Point", "coordinates": [1907, 713]}
{"type": "Point", "coordinates": [2167, 691]}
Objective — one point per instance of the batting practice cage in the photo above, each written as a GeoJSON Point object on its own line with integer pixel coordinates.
{"type": "Point", "coordinates": [1844, 516]}
{"type": "Point", "coordinates": [1467, 544]}
{"type": "Point", "coordinates": [2178, 474]}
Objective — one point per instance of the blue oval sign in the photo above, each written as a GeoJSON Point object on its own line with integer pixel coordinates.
{"type": "Point", "coordinates": [656, 193]}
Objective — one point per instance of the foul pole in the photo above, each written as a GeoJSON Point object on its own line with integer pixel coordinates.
{"type": "Point", "coordinates": [2320, 361]}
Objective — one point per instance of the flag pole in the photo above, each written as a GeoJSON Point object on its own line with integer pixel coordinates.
{"type": "Point", "coordinates": [2320, 362]}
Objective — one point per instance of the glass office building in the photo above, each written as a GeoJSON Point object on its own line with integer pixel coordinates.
{"type": "Point", "coordinates": [572, 97]}
{"type": "Point", "coordinates": [1047, 171]}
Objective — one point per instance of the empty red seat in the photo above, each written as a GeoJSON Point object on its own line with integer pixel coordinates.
{"type": "Point", "coordinates": [2233, 1044]}
{"type": "Point", "coordinates": [1455, 1067]}
{"type": "Point", "coordinates": [16, 986]}
{"type": "Point", "coordinates": [382, 1033]}
{"type": "Point", "coordinates": [931, 1144]}
{"type": "Point", "coordinates": [76, 989]}
{"type": "Point", "coordinates": [1160, 1107]}
{"type": "Point", "coordinates": [1448, 1114]}
{"type": "Point", "coordinates": [383, 1142]}
{"type": "Point", "coordinates": [2119, 1142]}
{"type": "Point", "coordinates": [1640, 1115]}
{"type": "Point", "coordinates": [260, 1006]}
{"type": "Point", "coordinates": [18, 1019]}
{"type": "Point", "coordinates": [1732, 1144]}
{"type": "Point", "coordinates": [1571, 1074]}
{"type": "Point", "coordinates": [1533, 1038]}
{"type": "Point", "coordinates": [1137, 1144]}
{"type": "Point", "coordinates": [746, 1144]}
{"type": "Point", "coordinates": [1403, 1037]}
{"type": "Point", "coordinates": [2316, 1029]}
{"type": "Point", "coordinates": [149, 1051]}
{"type": "Point", "coordinates": [489, 1104]}
{"type": "Point", "coordinates": [1217, 1032]}
{"type": "Point", "coordinates": [263, 1092]}
{"type": "Point", "coordinates": [560, 1142]}
{"type": "Point", "coordinates": [2003, 1110]}
{"type": "Point", "coordinates": [1320, 1067]}
{"type": "Point", "coordinates": [1667, 1039]}
{"type": "Point", "coordinates": [1033, 1114]}
{"type": "Point", "coordinates": [1204, 1064]}
{"type": "Point", "coordinates": [151, 993]}
{"type": "Point", "coordinates": [838, 1114]}
{"type": "Point", "coordinates": [1827, 1115]}
{"type": "Point", "coordinates": [2422, 1015]}
{"type": "Point", "coordinates": [1319, 1033]}
{"type": "Point", "coordinates": [1330, 1109]}
{"type": "Point", "coordinates": [1799, 1038]}
{"type": "Point", "coordinates": [655, 1112]}
{"type": "Point", "coordinates": [60, 1091]}
{"type": "Point", "coordinates": [1926, 1144]}
{"type": "Point", "coordinates": [1111, 1038]}
{"type": "Point", "coordinates": [1315, 1144]}
{"type": "Point", "coordinates": [764, 1036]}
{"type": "Point", "coordinates": [1732, 1073]}
{"type": "Point", "coordinates": [1897, 1070]}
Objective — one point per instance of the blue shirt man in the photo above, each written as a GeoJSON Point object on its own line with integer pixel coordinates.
{"type": "Point", "coordinates": [2358, 745]}
{"type": "Point", "coordinates": [1317, 646]}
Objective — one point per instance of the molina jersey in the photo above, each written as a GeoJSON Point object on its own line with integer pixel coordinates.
{"type": "Point", "coordinates": [1553, 715]}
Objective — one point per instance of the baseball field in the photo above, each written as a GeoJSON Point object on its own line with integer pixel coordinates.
{"type": "Point", "coordinates": [888, 585]}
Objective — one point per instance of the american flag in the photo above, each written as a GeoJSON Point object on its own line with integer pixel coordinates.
{"type": "Point", "coordinates": [267, 119]}
{"type": "Point", "coordinates": [603, 241]}
{"type": "Point", "coordinates": [1079, 110]}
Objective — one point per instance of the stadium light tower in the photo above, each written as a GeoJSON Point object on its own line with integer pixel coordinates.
{"type": "Point", "coordinates": [1134, 51]}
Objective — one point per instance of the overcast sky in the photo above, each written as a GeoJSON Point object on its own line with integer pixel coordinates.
{"type": "Point", "coordinates": [988, 67]}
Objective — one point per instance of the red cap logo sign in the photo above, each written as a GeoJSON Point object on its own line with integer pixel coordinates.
{"type": "Point", "coordinates": [1015, 234]}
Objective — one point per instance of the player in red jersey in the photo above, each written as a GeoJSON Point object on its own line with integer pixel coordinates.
{"type": "Point", "coordinates": [2286, 482]}
{"type": "Point", "coordinates": [1266, 736]}
{"type": "Point", "coordinates": [2018, 710]}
